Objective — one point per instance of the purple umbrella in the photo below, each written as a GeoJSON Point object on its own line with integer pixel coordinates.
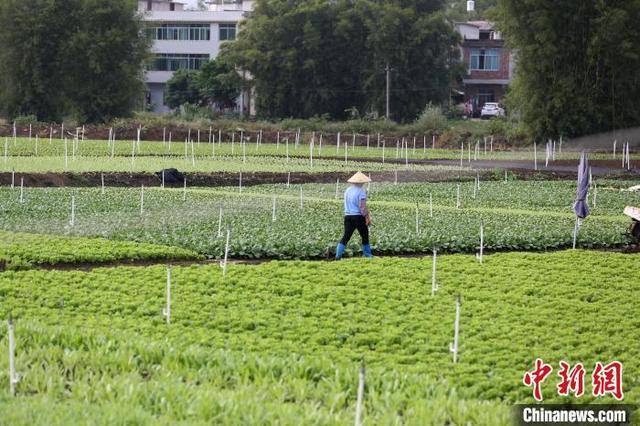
{"type": "Point", "coordinates": [580, 206]}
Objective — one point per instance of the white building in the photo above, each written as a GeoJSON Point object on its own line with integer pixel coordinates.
{"type": "Point", "coordinates": [187, 39]}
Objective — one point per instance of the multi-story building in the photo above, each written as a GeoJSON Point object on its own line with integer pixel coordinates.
{"type": "Point", "coordinates": [186, 39]}
{"type": "Point", "coordinates": [489, 63]}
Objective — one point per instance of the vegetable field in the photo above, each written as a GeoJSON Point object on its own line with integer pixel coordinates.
{"type": "Point", "coordinates": [280, 342]}
{"type": "Point", "coordinates": [183, 304]}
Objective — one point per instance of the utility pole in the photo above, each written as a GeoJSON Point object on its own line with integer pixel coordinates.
{"type": "Point", "coordinates": [388, 110]}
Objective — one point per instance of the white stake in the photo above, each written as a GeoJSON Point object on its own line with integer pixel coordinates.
{"type": "Point", "coordinates": [102, 181]}
{"type": "Point", "coordinates": [433, 142]}
{"type": "Point", "coordinates": [535, 156]}
{"type": "Point", "coordinates": [13, 178]}
{"type": "Point", "coordinates": [301, 199]}
{"type": "Point", "coordinates": [220, 223]}
{"type": "Point", "coordinates": [481, 241]}
{"type": "Point", "coordinates": [193, 155]}
{"type": "Point", "coordinates": [430, 205]}
{"type": "Point", "coordinates": [595, 193]}
{"type": "Point", "coordinates": [395, 177]}
{"type": "Point", "coordinates": [240, 182]}
{"type": "Point", "coordinates": [66, 155]}
{"type": "Point", "coordinates": [360, 396]}
{"type": "Point", "coordinates": [614, 148]}
{"type": "Point", "coordinates": [576, 228]}
{"type": "Point", "coordinates": [162, 184]}
{"type": "Point", "coordinates": [337, 188]}
{"type": "Point", "coordinates": [458, 196]}
{"type": "Point", "coordinates": [278, 141]}
{"type": "Point", "coordinates": [13, 376]}
{"type": "Point", "coordinates": [453, 347]}
{"type": "Point", "coordinates": [164, 135]}
{"type": "Point", "coordinates": [368, 140]}
{"type": "Point", "coordinates": [417, 219]}
{"type": "Point", "coordinates": [184, 190]}
{"type": "Point", "coordinates": [311, 154]}
{"type": "Point", "coordinates": [434, 283]}
{"type": "Point", "coordinates": [461, 154]}
{"type": "Point", "coordinates": [72, 222]}
{"type": "Point", "coordinates": [167, 310]}
{"type": "Point", "coordinates": [383, 149]}
{"type": "Point", "coordinates": [21, 190]}
{"type": "Point", "coordinates": [338, 143]}
{"type": "Point", "coordinates": [6, 149]}
{"type": "Point", "coordinates": [226, 254]}
{"type": "Point", "coordinates": [142, 200]}
{"type": "Point", "coordinates": [288, 179]}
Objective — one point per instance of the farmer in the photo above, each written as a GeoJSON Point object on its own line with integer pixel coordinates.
{"type": "Point", "coordinates": [356, 215]}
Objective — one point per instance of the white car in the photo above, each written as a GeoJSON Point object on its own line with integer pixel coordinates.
{"type": "Point", "coordinates": [492, 109]}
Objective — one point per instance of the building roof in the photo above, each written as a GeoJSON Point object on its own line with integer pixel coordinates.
{"type": "Point", "coordinates": [483, 25]}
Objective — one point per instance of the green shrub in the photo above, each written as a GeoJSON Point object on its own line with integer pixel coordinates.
{"type": "Point", "coordinates": [432, 120]}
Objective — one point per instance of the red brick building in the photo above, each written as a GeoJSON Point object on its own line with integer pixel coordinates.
{"type": "Point", "coordinates": [489, 64]}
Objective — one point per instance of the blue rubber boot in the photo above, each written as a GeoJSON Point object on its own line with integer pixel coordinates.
{"type": "Point", "coordinates": [340, 250]}
{"type": "Point", "coordinates": [366, 250]}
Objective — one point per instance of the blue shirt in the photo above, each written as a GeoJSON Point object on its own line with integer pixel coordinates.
{"type": "Point", "coordinates": [352, 197]}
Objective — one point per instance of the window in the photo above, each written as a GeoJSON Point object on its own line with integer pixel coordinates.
{"type": "Point", "coordinates": [190, 32]}
{"type": "Point", "coordinates": [227, 32]}
{"type": "Point", "coordinates": [177, 61]}
{"type": "Point", "coordinates": [485, 60]}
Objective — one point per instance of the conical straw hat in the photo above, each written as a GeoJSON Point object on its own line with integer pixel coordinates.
{"type": "Point", "coordinates": [359, 178]}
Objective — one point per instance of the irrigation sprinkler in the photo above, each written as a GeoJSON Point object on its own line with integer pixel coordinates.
{"type": "Point", "coordinates": [72, 222]}
{"type": "Point", "coordinates": [66, 154]}
{"type": "Point", "coordinates": [286, 140]}
{"type": "Point", "coordinates": [434, 283]}
{"type": "Point", "coordinates": [430, 205]}
{"type": "Point", "coordinates": [220, 223]}
{"type": "Point", "coordinates": [184, 190]}
{"type": "Point", "coordinates": [21, 189]}
{"type": "Point", "coordinates": [346, 150]}
{"type": "Point", "coordinates": [273, 209]}
{"type": "Point", "coordinates": [301, 198]}
{"type": "Point", "coordinates": [480, 254]}
{"type": "Point", "coordinates": [360, 397]}
{"type": "Point", "coordinates": [226, 254]}
{"type": "Point", "coordinates": [102, 181]}
{"type": "Point", "coordinates": [141, 199]}
{"type": "Point", "coordinates": [14, 378]}
{"type": "Point", "coordinates": [453, 347]}
{"type": "Point", "coordinates": [167, 310]}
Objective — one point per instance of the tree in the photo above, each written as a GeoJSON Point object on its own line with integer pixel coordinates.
{"type": "Point", "coordinates": [182, 89]}
{"type": "Point", "coordinates": [218, 82]}
{"type": "Point", "coordinates": [312, 57]}
{"type": "Point", "coordinates": [74, 57]}
{"type": "Point", "coordinates": [577, 64]}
